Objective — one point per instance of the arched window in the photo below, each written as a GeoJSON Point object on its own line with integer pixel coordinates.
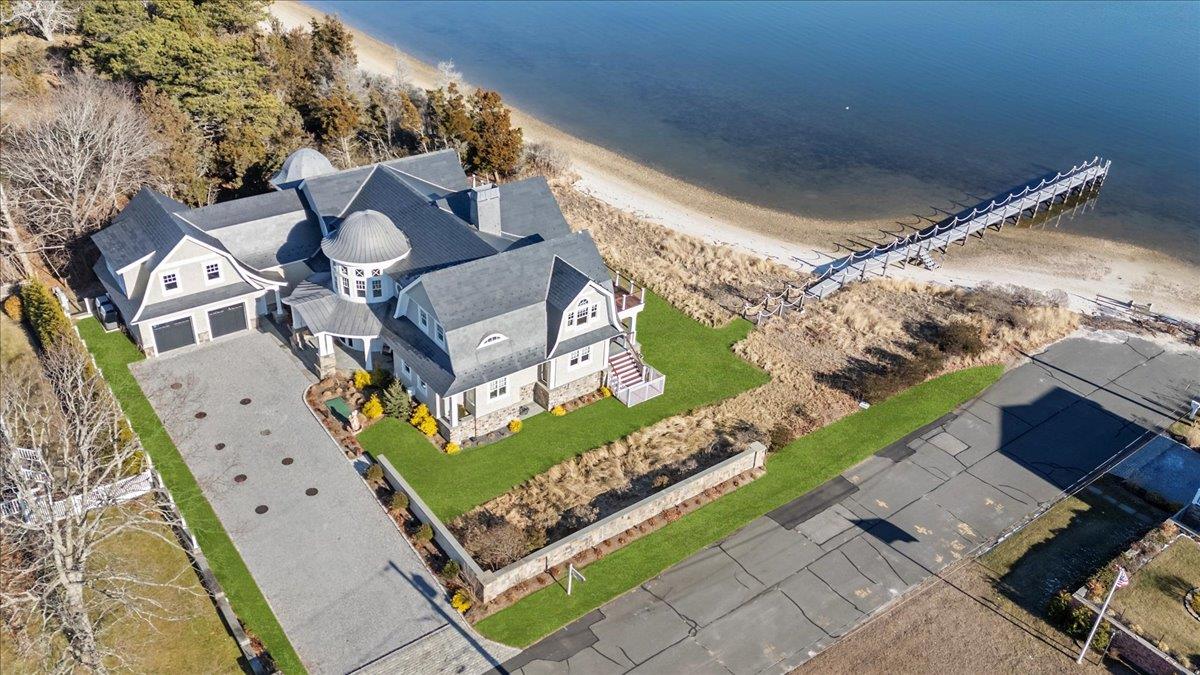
{"type": "Point", "coordinates": [580, 315]}
{"type": "Point", "coordinates": [491, 340]}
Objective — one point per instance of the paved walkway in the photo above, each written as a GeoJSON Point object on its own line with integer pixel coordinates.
{"type": "Point", "coordinates": [790, 583]}
{"type": "Point", "coordinates": [346, 587]}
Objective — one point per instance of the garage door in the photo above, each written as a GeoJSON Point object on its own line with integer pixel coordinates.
{"type": "Point", "coordinates": [174, 334]}
{"type": "Point", "coordinates": [227, 320]}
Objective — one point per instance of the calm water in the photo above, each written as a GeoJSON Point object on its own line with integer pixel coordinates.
{"type": "Point", "coordinates": [853, 110]}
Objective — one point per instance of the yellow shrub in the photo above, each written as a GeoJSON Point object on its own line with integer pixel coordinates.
{"type": "Point", "coordinates": [428, 426]}
{"type": "Point", "coordinates": [452, 448]}
{"type": "Point", "coordinates": [515, 426]}
{"type": "Point", "coordinates": [373, 409]}
{"type": "Point", "coordinates": [361, 379]}
{"type": "Point", "coordinates": [460, 602]}
{"type": "Point", "coordinates": [420, 414]}
{"type": "Point", "coordinates": [12, 307]}
{"type": "Point", "coordinates": [558, 411]}
{"type": "Point", "coordinates": [605, 392]}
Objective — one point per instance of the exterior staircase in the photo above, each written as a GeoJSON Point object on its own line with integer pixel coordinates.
{"type": "Point", "coordinates": [631, 379]}
{"type": "Point", "coordinates": [626, 371]}
{"type": "Point", "coordinates": [927, 261]}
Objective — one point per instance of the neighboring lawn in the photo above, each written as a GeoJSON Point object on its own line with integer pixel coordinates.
{"type": "Point", "coordinates": [700, 370]}
{"type": "Point", "coordinates": [796, 469]}
{"type": "Point", "coordinates": [14, 342]}
{"type": "Point", "coordinates": [1153, 602]}
{"type": "Point", "coordinates": [114, 352]}
{"type": "Point", "coordinates": [1068, 543]}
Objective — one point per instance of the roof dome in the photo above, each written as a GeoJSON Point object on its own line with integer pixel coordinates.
{"type": "Point", "coordinates": [366, 237]}
{"type": "Point", "coordinates": [301, 164]}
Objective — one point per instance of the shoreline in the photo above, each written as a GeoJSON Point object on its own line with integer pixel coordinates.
{"type": "Point", "coordinates": [1082, 266]}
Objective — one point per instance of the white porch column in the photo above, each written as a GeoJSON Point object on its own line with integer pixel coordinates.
{"type": "Point", "coordinates": [367, 352]}
{"type": "Point", "coordinates": [633, 325]}
{"type": "Point", "coordinates": [278, 302]}
{"type": "Point", "coordinates": [454, 409]}
{"type": "Point", "coordinates": [324, 344]}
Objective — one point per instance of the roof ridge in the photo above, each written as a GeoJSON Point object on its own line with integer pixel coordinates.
{"type": "Point", "coordinates": [350, 202]}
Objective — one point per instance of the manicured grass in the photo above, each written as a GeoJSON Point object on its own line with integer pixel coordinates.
{"type": "Point", "coordinates": [700, 370]}
{"type": "Point", "coordinates": [794, 470]}
{"type": "Point", "coordinates": [114, 352]}
{"type": "Point", "coordinates": [1154, 600]}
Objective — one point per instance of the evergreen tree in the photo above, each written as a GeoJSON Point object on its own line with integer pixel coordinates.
{"type": "Point", "coordinates": [396, 402]}
{"type": "Point", "coordinates": [182, 168]}
{"type": "Point", "coordinates": [447, 118]}
{"type": "Point", "coordinates": [495, 145]}
{"type": "Point", "coordinates": [339, 115]}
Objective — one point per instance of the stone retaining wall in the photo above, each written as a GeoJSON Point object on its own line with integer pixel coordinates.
{"type": "Point", "coordinates": [490, 585]}
{"type": "Point", "coordinates": [495, 583]}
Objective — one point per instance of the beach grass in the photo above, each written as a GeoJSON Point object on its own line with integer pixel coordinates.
{"type": "Point", "coordinates": [113, 353]}
{"type": "Point", "coordinates": [799, 467]}
{"type": "Point", "coordinates": [700, 367]}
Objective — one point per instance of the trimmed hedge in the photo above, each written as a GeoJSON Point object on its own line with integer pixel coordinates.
{"type": "Point", "coordinates": [46, 317]}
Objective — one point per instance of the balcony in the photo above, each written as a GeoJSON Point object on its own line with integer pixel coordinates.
{"type": "Point", "coordinates": [630, 297]}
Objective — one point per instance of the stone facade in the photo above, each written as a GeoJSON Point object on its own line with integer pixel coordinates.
{"type": "Point", "coordinates": [548, 398]}
{"type": "Point", "coordinates": [497, 419]}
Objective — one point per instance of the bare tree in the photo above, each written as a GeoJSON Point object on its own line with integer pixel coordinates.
{"type": "Point", "coordinates": [45, 16]}
{"type": "Point", "coordinates": [14, 245]}
{"type": "Point", "coordinates": [448, 74]}
{"type": "Point", "coordinates": [69, 165]}
{"type": "Point", "coordinates": [68, 470]}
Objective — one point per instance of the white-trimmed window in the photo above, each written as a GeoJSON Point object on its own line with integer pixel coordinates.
{"type": "Point", "coordinates": [404, 365]}
{"type": "Point", "coordinates": [580, 356]}
{"type": "Point", "coordinates": [498, 387]}
{"type": "Point", "coordinates": [358, 272]}
{"type": "Point", "coordinates": [439, 333]}
{"type": "Point", "coordinates": [377, 288]}
{"type": "Point", "coordinates": [360, 288]}
{"type": "Point", "coordinates": [375, 272]}
{"type": "Point", "coordinates": [170, 281]}
{"type": "Point", "coordinates": [345, 285]}
{"type": "Point", "coordinates": [582, 312]}
{"type": "Point", "coordinates": [491, 340]}
{"type": "Point", "coordinates": [212, 271]}
{"type": "Point", "coordinates": [424, 318]}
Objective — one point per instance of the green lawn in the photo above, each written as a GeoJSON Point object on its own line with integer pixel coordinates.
{"type": "Point", "coordinates": [114, 352]}
{"type": "Point", "coordinates": [1154, 600]}
{"type": "Point", "coordinates": [798, 468]}
{"type": "Point", "coordinates": [700, 370]}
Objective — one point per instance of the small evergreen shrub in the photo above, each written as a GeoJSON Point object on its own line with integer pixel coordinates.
{"type": "Point", "coordinates": [12, 307]}
{"type": "Point", "coordinates": [423, 534]}
{"type": "Point", "coordinates": [453, 448]}
{"type": "Point", "coordinates": [398, 502]}
{"type": "Point", "coordinates": [375, 473]}
{"type": "Point", "coordinates": [362, 379]}
{"type": "Point", "coordinates": [396, 401]}
{"type": "Point", "coordinates": [451, 569]}
{"type": "Point", "coordinates": [373, 409]}
{"type": "Point", "coordinates": [45, 315]}
{"type": "Point", "coordinates": [380, 377]}
{"type": "Point", "coordinates": [558, 411]}
{"type": "Point", "coordinates": [960, 337]}
{"type": "Point", "coordinates": [514, 426]}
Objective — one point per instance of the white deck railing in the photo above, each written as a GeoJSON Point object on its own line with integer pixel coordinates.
{"type": "Point", "coordinates": [653, 384]}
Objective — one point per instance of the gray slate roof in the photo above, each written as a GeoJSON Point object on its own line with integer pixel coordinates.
{"type": "Point", "coordinates": [366, 237]}
{"type": "Point", "coordinates": [528, 209]}
{"type": "Point", "coordinates": [147, 226]}
{"type": "Point", "coordinates": [191, 300]}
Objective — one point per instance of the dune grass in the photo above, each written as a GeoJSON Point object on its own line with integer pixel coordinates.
{"type": "Point", "coordinates": [114, 352]}
{"type": "Point", "coordinates": [700, 368]}
{"type": "Point", "coordinates": [799, 467]}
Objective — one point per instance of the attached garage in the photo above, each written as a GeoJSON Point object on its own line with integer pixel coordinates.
{"type": "Point", "coordinates": [174, 334]}
{"type": "Point", "coordinates": [227, 320]}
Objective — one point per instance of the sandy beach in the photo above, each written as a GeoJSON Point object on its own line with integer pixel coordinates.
{"type": "Point", "coordinates": [1044, 259]}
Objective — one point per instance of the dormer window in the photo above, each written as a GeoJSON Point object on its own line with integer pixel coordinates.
{"type": "Point", "coordinates": [583, 311]}
{"type": "Point", "coordinates": [170, 282]}
{"type": "Point", "coordinates": [439, 333]}
{"type": "Point", "coordinates": [423, 317]}
{"type": "Point", "coordinates": [212, 271]}
{"type": "Point", "coordinates": [491, 340]}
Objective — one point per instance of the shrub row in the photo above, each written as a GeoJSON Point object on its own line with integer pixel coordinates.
{"type": "Point", "coordinates": [45, 315]}
{"type": "Point", "coordinates": [1076, 620]}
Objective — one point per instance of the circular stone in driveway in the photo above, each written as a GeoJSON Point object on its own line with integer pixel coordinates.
{"type": "Point", "coordinates": [265, 432]}
{"type": "Point", "coordinates": [201, 415]}
{"type": "Point", "coordinates": [311, 492]}
{"type": "Point", "coordinates": [287, 461]}
{"type": "Point", "coordinates": [260, 509]}
{"type": "Point", "coordinates": [219, 446]}
{"type": "Point", "coordinates": [176, 385]}
{"type": "Point", "coordinates": [245, 401]}
{"type": "Point", "coordinates": [240, 478]}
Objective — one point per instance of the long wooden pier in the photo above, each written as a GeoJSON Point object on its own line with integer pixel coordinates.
{"type": "Point", "coordinates": [993, 214]}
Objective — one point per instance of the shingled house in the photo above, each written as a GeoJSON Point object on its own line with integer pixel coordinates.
{"type": "Point", "coordinates": [477, 296]}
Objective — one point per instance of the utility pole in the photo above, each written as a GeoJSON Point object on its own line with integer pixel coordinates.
{"type": "Point", "coordinates": [1121, 581]}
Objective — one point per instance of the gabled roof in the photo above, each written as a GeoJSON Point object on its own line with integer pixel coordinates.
{"type": "Point", "coordinates": [478, 290]}
{"type": "Point", "coordinates": [528, 209]}
{"type": "Point", "coordinates": [146, 227]}
{"type": "Point", "coordinates": [566, 282]}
